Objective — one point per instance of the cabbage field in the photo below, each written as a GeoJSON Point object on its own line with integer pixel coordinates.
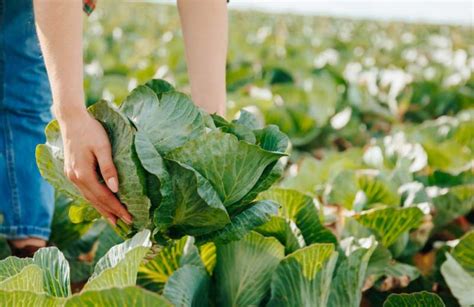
{"type": "Point", "coordinates": [342, 175]}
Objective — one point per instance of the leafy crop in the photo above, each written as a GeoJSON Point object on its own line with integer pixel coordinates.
{"type": "Point", "coordinates": [44, 279]}
{"type": "Point", "coordinates": [375, 207]}
{"type": "Point", "coordinates": [181, 171]}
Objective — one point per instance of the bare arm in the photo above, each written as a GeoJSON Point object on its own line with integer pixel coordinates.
{"type": "Point", "coordinates": [59, 27]}
{"type": "Point", "coordinates": [205, 26]}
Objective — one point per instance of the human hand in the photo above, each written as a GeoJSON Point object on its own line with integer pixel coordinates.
{"type": "Point", "coordinates": [86, 146]}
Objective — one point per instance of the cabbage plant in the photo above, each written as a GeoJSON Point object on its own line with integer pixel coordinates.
{"type": "Point", "coordinates": [44, 279]}
{"type": "Point", "coordinates": [181, 171]}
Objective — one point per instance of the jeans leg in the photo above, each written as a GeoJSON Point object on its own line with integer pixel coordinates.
{"type": "Point", "coordinates": [27, 201]}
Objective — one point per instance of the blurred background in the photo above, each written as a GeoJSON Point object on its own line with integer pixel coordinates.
{"type": "Point", "coordinates": [431, 11]}
{"type": "Point", "coordinates": [377, 98]}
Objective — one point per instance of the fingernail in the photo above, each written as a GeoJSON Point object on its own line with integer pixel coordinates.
{"type": "Point", "coordinates": [112, 184]}
{"type": "Point", "coordinates": [127, 220]}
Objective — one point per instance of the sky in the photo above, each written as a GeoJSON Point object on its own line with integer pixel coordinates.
{"type": "Point", "coordinates": [426, 11]}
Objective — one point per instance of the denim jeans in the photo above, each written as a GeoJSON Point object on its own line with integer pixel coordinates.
{"type": "Point", "coordinates": [26, 200]}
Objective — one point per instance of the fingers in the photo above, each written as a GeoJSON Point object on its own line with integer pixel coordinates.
{"type": "Point", "coordinates": [100, 196]}
{"type": "Point", "coordinates": [82, 155]}
{"type": "Point", "coordinates": [106, 214]}
{"type": "Point", "coordinates": [107, 167]}
{"type": "Point", "coordinates": [109, 201]}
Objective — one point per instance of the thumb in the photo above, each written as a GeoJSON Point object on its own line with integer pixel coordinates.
{"type": "Point", "coordinates": [107, 168]}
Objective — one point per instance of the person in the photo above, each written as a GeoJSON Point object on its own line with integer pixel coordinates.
{"type": "Point", "coordinates": [27, 200]}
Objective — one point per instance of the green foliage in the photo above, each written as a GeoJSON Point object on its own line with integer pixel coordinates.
{"type": "Point", "coordinates": [156, 272]}
{"type": "Point", "coordinates": [301, 209]}
{"type": "Point", "coordinates": [458, 280]}
{"type": "Point", "coordinates": [310, 270]}
{"type": "Point", "coordinates": [463, 252]}
{"type": "Point", "coordinates": [414, 299]}
{"type": "Point", "coordinates": [127, 296]}
{"type": "Point", "coordinates": [457, 270]}
{"type": "Point", "coordinates": [179, 176]}
{"type": "Point", "coordinates": [47, 272]}
{"type": "Point", "coordinates": [118, 268]}
{"type": "Point", "coordinates": [351, 273]}
{"type": "Point", "coordinates": [389, 223]}
{"type": "Point", "coordinates": [188, 286]}
{"type": "Point", "coordinates": [44, 279]}
{"type": "Point", "coordinates": [380, 173]}
{"type": "Point", "coordinates": [244, 269]}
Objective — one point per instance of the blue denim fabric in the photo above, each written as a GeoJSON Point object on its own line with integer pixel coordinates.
{"type": "Point", "coordinates": [26, 200]}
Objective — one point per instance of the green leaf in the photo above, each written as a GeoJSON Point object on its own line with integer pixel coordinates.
{"type": "Point", "coordinates": [156, 272]}
{"type": "Point", "coordinates": [82, 213]}
{"type": "Point", "coordinates": [4, 247]}
{"type": "Point", "coordinates": [257, 214]}
{"type": "Point", "coordinates": [152, 187]}
{"type": "Point", "coordinates": [379, 190]}
{"type": "Point", "coordinates": [272, 139]}
{"type": "Point", "coordinates": [350, 275]}
{"type": "Point", "coordinates": [191, 255]}
{"type": "Point", "coordinates": [269, 138]}
{"type": "Point", "coordinates": [459, 281]}
{"type": "Point", "coordinates": [160, 86]}
{"type": "Point", "coordinates": [303, 278]}
{"type": "Point", "coordinates": [390, 223]}
{"type": "Point", "coordinates": [448, 156]}
{"type": "Point", "coordinates": [242, 132]}
{"type": "Point", "coordinates": [301, 209]}
{"type": "Point", "coordinates": [117, 297]}
{"type": "Point", "coordinates": [244, 269]}
{"type": "Point", "coordinates": [463, 252]}
{"type": "Point", "coordinates": [270, 175]}
{"type": "Point", "coordinates": [342, 190]}
{"type": "Point", "coordinates": [188, 286]}
{"type": "Point", "coordinates": [118, 268]}
{"type": "Point", "coordinates": [463, 134]}
{"type": "Point", "coordinates": [382, 270]}
{"type": "Point", "coordinates": [168, 122]}
{"type": "Point", "coordinates": [12, 266]}
{"type": "Point", "coordinates": [247, 119]}
{"type": "Point", "coordinates": [153, 163]}
{"type": "Point", "coordinates": [420, 299]}
{"type": "Point", "coordinates": [198, 209]}
{"type": "Point", "coordinates": [299, 126]}
{"type": "Point", "coordinates": [443, 179]}
{"type": "Point", "coordinates": [282, 230]}
{"type": "Point", "coordinates": [400, 245]}
{"type": "Point", "coordinates": [232, 167]}
{"type": "Point", "coordinates": [71, 220]}
{"type": "Point", "coordinates": [452, 205]}
{"type": "Point", "coordinates": [55, 269]}
{"type": "Point", "coordinates": [380, 258]}
{"type": "Point", "coordinates": [50, 160]}
{"type": "Point", "coordinates": [29, 299]}
{"type": "Point", "coordinates": [29, 279]}
{"type": "Point", "coordinates": [208, 256]}
{"type": "Point", "coordinates": [131, 175]}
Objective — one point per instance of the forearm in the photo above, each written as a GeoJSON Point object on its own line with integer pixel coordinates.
{"type": "Point", "coordinates": [204, 26]}
{"type": "Point", "coordinates": [59, 27]}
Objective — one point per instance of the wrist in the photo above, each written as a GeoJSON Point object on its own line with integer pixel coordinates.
{"type": "Point", "coordinates": [70, 112]}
